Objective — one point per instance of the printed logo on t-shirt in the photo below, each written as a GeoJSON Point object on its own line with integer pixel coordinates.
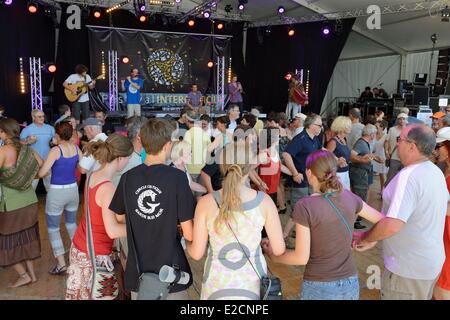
{"type": "Point", "coordinates": [148, 205]}
{"type": "Point", "coordinates": [132, 89]}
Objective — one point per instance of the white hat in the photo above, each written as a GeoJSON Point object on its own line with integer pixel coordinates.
{"type": "Point", "coordinates": [300, 116]}
{"type": "Point", "coordinates": [402, 115]}
{"type": "Point", "coordinates": [443, 135]}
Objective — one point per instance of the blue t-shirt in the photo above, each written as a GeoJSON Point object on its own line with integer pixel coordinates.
{"type": "Point", "coordinates": [43, 134]}
{"type": "Point", "coordinates": [299, 149]}
{"type": "Point", "coordinates": [133, 94]}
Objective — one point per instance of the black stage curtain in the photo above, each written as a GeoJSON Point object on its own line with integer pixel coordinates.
{"type": "Point", "coordinates": [22, 35]}
{"type": "Point", "coordinates": [271, 56]}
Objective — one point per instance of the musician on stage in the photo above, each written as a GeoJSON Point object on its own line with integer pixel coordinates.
{"type": "Point", "coordinates": [82, 104]}
{"type": "Point", "coordinates": [297, 98]}
{"type": "Point", "coordinates": [235, 92]}
{"type": "Point", "coordinates": [133, 85]}
{"type": "Point", "coordinates": [195, 98]}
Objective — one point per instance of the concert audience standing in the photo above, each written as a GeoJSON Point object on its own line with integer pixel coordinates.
{"type": "Point", "coordinates": [168, 199]}
{"type": "Point", "coordinates": [259, 123]}
{"type": "Point", "coordinates": [415, 205]}
{"type": "Point", "coordinates": [113, 155]}
{"type": "Point", "coordinates": [107, 128]}
{"type": "Point", "coordinates": [233, 116]}
{"type": "Point", "coordinates": [62, 196]}
{"type": "Point", "coordinates": [38, 136]}
{"type": "Point", "coordinates": [235, 91]}
{"type": "Point", "coordinates": [82, 104]}
{"type": "Point", "coordinates": [93, 131]}
{"type": "Point", "coordinates": [341, 127]}
{"type": "Point", "coordinates": [442, 288]}
{"type": "Point", "coordinates": [296, 126]}
{"type": "Point", "coordinates": [19, 226]}
{"type": "Point", "coordinates": [390, 147]}
{"type": "Point", "coordinates": [324, 234]}
{"type": "Point", "coordinates": [357, 127]}
{"type": "Point", "coordinates": [410, 118]}
{"type": "Point", "coordinates": [438, 121]}
{"type": "Point", "coordinates": [378, 149]}
{"type": "Point", "coordinates": [231, 221]}
{"type": "Point", "coordinates": [295, 159]}
{"type": "Point", "coordinates": [133, 85]}
{"type": "Point", "coordinates": [248, 120]}
{"type": "Point", "coordinates": [222, 132]}
{"type": "Point", "coordinates": [206, 124]}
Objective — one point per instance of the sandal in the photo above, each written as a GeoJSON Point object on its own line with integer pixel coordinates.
{"type": "Point", "coordinates": [56, 270]}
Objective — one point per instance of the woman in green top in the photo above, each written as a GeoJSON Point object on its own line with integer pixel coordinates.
{"type": "Point", "coordinates": [19, 229]}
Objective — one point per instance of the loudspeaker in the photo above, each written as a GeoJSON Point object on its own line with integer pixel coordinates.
{"type": "Point", "coordinates": [420, 95]}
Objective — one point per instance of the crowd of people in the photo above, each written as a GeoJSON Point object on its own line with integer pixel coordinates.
{"type": "Point", "coordinates": [191, 187]}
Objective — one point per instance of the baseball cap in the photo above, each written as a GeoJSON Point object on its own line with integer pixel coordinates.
{"type": "Point", "coordinates": [438, 115]}
{"type": "Point", "coordinates": [402, 115]}
{"type": "Point", "coordinates": [91, 122]}
{"type": "Point", "coordinates": [300, 116]}
{"type": "Point", "coordinates": [443, 135]}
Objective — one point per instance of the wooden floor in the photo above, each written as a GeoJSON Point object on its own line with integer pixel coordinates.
{"type": "Point", "coordinates": [53, 287]}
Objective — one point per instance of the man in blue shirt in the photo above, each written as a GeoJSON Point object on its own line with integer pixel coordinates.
{"type": "Point", "coordinates": [132, 85]}
{"type": "Point", "coordinates": [295, 156]}
{"type": "Point", "coordinates": [194, 98]}
{"type": "Point", "coordinates": [38, 136]}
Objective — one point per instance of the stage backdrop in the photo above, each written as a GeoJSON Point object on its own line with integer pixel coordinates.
{"type": "Point", "coordinates": [169, 63]}
{"type": "Point", "coordinates": [271, 55]}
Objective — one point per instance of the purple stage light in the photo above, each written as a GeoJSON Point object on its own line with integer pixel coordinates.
{"type": "Point", "coordinates": [241, 7]}
{"type": "Point", "coordinates": [213, 4]}
{"type": "Point", "coordinates": [206, 14]}
{"type": "Point", "coordinates": [326, 31]}
{"type": "Point", "coordinates": [142, 8]}
{"type": "Point", "coordinates": [177, 1]}
{"type": "Point", "coordinates": [281, 10]}
{"type": "Point", "coordinates": [8, 2]}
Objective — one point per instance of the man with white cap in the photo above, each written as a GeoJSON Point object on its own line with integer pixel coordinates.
{"type": "Point", "coordinates": [93, 131]}
{"type": "Point", "coordinates": [296, 125]}
{"type": "Point", "coordinates": [390, 147]}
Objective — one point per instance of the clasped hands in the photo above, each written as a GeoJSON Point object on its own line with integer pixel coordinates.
{"type": "Point", "coordinates": [359, 243]}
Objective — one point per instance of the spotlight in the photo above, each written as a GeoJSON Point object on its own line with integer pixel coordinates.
{"type": "Point", "coordinates": [241, 7]}
{"type": "Point", "coordinates": [49, 67]}
{"type": "Point", "coordinates": [177, 1]}
{"type": "Point", "coordinates": [142, 8]}
{"type": "Point", "coordinates": [206, 14]}
{"type": "Point", "coordinates": [291, 32]}
{"type": "Point", "coordinates": [210, 64]}
{"type": "Point", "coordinates": [220, 26]}
{"type": "Point", "coordinates": [8, 2]}
{"type": "Point", "coordinates": [32, 7]}
{"type": "Point", "coordinates": [191, 22]}
{"type": "Point", "coordinates": [228, 8]}
{"type": "Point", "coordinates": [142, 18]}
{"type": "Point", "coordinates": [125, 59]}
{"type": "Point", "coordinates": [326, 30]}
{"type": "Point", "coordinates": [213, 4]}
{"type": "Point", "coordinates": [288, 76]}
{"type": "Point", "coordinates": [97, 13]}
{"type": "Point", "coordinates": [281, 10]}
{"type": "Point", "coordinates": [445, 14]}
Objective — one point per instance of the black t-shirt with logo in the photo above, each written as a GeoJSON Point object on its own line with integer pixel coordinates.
{"type": "Point", "coordinates": [158, 197]}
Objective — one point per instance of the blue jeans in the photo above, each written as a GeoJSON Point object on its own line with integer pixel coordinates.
{"type": "Point", "coordinates": [344, 289]}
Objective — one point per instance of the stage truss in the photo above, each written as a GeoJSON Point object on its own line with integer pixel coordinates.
{"type": "Point", "coordinates": [113, 96]}
{"type": "Point", "coordinates": [36, 83]}
{"type": "Point", "coordinates": [220, 84]}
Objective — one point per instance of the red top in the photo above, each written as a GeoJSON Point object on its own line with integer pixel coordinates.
{"type": "Point", "coordinates": [270, 173]}
{"type": "Point", "coordinates": [444, 279]}
{"type": "Point", "coordinates": [102, 242]}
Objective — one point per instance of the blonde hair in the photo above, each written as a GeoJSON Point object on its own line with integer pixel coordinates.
{"type": "Point", "coordinates": [323, 166]}
{"type": "Point", "coordinates": [179, 149]}
{"type": "Point", "coordinates": [34, 112]}
{"type": "Point", "coordinates": [236, 162]}
{"type": "Point", "coordinates": [107, 151]}
{"type": "Point", "coordinates": [340, 124]}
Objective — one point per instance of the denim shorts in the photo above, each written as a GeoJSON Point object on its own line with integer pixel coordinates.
{"type": "Point", "coordinates": [343, 289]}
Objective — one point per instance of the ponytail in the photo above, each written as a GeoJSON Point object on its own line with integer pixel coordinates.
{"type": "Point", "coordinates": [323, 166]}
{"type": "Point", "coordinates": [107, 151]}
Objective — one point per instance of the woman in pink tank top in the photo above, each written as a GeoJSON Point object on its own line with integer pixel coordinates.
{"type": "Point", "coordinates": [113, 155]}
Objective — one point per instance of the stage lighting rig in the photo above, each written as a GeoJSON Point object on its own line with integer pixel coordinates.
{"type": "Point", "coordinates": [220, 26]}
{"type": "Point", "coordinates": [97, 13]}
{"type": "Point", "coordinates": [210, 64]}
{"type": "Point", "coordinates": [445, 13]}
{"type": "Point", "coordinates": [7, 2]}
{"type": "Point", "coordinates": [49, 67]}
{"type": "Point", "coordinates": [281, 10]}
{"type": "Point", "coordinates": [125, 59]}
{"type": "Point", "coordinates": [291, 32]}
{"type": "Point", "coordinates": [32, 7]}
{"type": "Point", "coordinates": [191, 23]}
{"type": "Point", "coordinates": [241, 4]}
{"type": "Point", "coordinates": [206, 14]}
{"type": "Point", "coordinates": [117, 6]}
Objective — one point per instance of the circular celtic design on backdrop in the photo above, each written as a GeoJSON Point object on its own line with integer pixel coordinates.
{"type": "Point", "coordinates": [165, 67]}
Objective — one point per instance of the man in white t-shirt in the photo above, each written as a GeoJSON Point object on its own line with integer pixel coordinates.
{"type": "Point", "coordinates": [93, 130]}
{"type": "Point", "coordinates": [390, 146]}
{"type": "Point", "coordinates": [83, 101]}
{"type": "Point", "coordinates": [415, 205]}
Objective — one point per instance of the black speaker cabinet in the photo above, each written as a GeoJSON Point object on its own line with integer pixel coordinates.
{"type": "Point", "coordinates": [420, 95]}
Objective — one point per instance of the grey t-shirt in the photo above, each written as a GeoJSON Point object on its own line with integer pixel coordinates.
{"type": "Point", "coordinates": [362, 147]}
{"type": "Point", "coordinates": [355, 134]}
{"type": "Point", "coordinates": [418, 196]}
{"type": "Point", "coordinates": [331, 256]}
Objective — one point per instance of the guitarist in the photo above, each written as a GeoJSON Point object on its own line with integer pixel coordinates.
{"type": "Point", "coordinates": [82, 104]}
{"type": "Point", "coordinates": [296, 92]}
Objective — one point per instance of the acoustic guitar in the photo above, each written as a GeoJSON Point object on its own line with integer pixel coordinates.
{"type": "Point", "coordinates": [80, 87]}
